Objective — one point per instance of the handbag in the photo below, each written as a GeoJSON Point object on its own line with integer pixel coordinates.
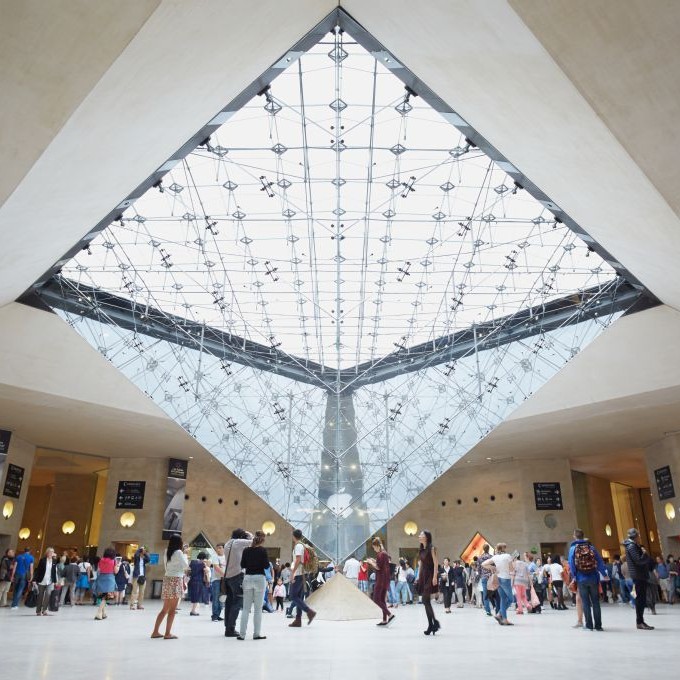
{"type": "Point", "coordinates": [492, 583]}
{"type": "Point", "coordinates": [32, 597]}
{"type": "Point", "coordinates": [535, 602]}
{"type": "Point", "coordinates": [141, 580]}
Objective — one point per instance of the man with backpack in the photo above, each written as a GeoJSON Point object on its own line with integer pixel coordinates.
{"type": "Point", "coordinates": [586, 565]}
{"type": "Point", "coordinates": [304, 559]}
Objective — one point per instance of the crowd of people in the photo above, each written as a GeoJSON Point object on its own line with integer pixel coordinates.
{"type": "Point", "coordinates": [239, 577]}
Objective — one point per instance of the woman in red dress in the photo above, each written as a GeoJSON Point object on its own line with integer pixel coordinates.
{"type": "Point", "coordinates": [381, 564]}
{"type": "Point", "coordinates": [427, 578]}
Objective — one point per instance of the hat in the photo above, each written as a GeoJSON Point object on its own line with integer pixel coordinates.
{"type": "Point", "coordinates": [632, 533]}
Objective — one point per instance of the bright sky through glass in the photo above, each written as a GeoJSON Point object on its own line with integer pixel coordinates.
{"type": "Point", "coordinates": [340, 218]}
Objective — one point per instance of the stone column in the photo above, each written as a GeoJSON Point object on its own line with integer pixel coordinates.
{"type": "Point", "coordinates": [20, 453]}
{"type": "Point", "coordinates": [662, 454]}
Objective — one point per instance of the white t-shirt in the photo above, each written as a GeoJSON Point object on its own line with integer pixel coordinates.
{"type": "Point", "coordinates": [502, 562]}
{"type": "Point", "coordinates": [299, 550]}
{"type": "Point", "coordinates": [556, 571]}
{"type": "Point", "coordinates": [351, 568]}
{"type": "Point", "coordinates": [177, 565]}
{"type": "Point", "coordinates": [221, 563]}
{"type": "Point", "coordinates": [401, 574]}
{"type": "Point", "coordinates": [47, 579]}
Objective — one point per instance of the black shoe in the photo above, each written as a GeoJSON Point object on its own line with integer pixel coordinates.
{"type": "Point", "coordinates": [437, 626]}
{"type": "Point", "coordinates": [600, 629]}
{"type": "Point", "coordinates": [230, 633]}
{"type": "Point", "coordinates": [644, 626]}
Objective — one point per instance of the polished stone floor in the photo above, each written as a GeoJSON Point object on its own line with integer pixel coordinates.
{"type": "Point", "coordinates": [72, 644]}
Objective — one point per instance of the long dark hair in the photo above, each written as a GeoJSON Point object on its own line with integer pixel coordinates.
{"type": "Point", "coordinates": [110, 553]}
{"type": "Point", "coordinates": [428, 539]}
{"type": "Point", "coordinates": [174, 544]}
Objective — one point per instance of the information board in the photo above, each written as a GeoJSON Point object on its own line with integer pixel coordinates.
{"type": "Point", "coordinates": [664, 483]}
{"type": "Point", "coordinates": [130, 495]}
{"type": "Point", "coordinates": [548, 496]}
{"type": "Point", "coordinates": [13, 481]}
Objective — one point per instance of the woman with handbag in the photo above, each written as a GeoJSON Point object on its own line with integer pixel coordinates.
{"type": "Point", "coordinates": [520, 584]}
{"type": "Point", "coordinates": [426, 586]}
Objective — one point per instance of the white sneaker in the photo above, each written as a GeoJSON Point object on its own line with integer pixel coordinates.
{"type": "Point", "coordinates": [13, 608]}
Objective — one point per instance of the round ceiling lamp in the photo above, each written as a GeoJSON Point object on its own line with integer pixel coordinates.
{"type": "Point", "coordinates": [7, 509]}
{"type": "Point", "coordinates": [68, 527]}
{"type": "Point", "coordinates": [269, 528]}
{"type": "Point", "coordinates": [410, 528]}
{"type": "Point", "coordinates": [669, 510]}
{"type": "Point", "coordinates": [608, 529]}
{"type": "Point", "coordinates": [24, 533]}
{"type": "Point", "coordinates": [127, 519]}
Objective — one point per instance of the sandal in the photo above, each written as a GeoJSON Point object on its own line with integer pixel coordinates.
{"type": "Point", "coordinates": [170, 637]}
{"type": "Point", "coordinates": [155, 636]}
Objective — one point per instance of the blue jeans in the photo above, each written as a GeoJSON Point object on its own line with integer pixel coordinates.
{"type": "Point", "coordinates": [215, 596]}
{"type": "Point", "coordinates": [485, 598]}
{"type": "Point", "coordinates": [402, 587]}
{"type": "Point", "coordinates": [624, 587]}
{"type": "Point", "coordinates": [392, 593]}
{"type": "Point", "coordinates": [505, 591]}
{"type": "Point", "coordinates": [297, 596]}
{"type": "Point", "coordinates": [590, 598]}
{"type": "Point", "coordinates": [19, 587]}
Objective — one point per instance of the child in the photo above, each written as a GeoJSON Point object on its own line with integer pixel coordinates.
{"type": "Point", "coordinates": [279, 594]}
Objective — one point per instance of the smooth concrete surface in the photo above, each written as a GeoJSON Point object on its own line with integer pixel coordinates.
{"type": "Point", "coordinates": [72, 643]}
{"type": "Point", "coordinates": [341, 600]}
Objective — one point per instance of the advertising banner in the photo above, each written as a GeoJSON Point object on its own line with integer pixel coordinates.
{"type": "Point", "coordinates": [174, 497]}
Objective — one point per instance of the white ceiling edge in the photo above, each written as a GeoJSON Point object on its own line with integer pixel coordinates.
{"type": "Point", "coordinates": [185, 64]}
{"type": "Point", "coordinates": [636, 354]}
{"type": "Point", "coordinates": [485, 62]}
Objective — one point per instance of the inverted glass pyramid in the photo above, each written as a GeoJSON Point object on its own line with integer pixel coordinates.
{"type": "Point", "coordinates": [337, 293]}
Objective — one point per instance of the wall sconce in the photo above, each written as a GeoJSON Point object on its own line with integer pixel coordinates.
{"type": "Point", "coordinates": [68, 527]}
{"type": "Point", "coordinates": [669, 510]}
{"type": "Point", "coordinates": [7, 509]}
{"type": "Point", "coordinates": [410, 528]}
{"type": "Point", "coordinates": [608, 530]}
{"type": "Point", "coordinates": [24, 533]}
{"type": "Point", "coordinates": [269, 528]}
{"type": "Point", "coordinates": [127, 519]}
{"type": "Point", "coordinates": [651, 536]}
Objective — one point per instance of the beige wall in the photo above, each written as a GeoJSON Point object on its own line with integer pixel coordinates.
{"type": "Point", "coordinates": [209, 479]}
{"type": "Point", "coordinates": [20, 453]}
{"type": "Point", "coordinates": [660, 454]}
{"type": "Point", "coordinates": [514, 521]}
{"type": "Point", "coordinates": [600, 513]}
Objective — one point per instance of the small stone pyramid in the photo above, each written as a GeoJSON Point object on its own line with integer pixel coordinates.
{"type": "Point", "coordinates": [340, 600]}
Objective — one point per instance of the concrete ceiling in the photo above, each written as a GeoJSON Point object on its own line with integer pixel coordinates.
{"type": "Point", "coordinates": [583, 97]}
